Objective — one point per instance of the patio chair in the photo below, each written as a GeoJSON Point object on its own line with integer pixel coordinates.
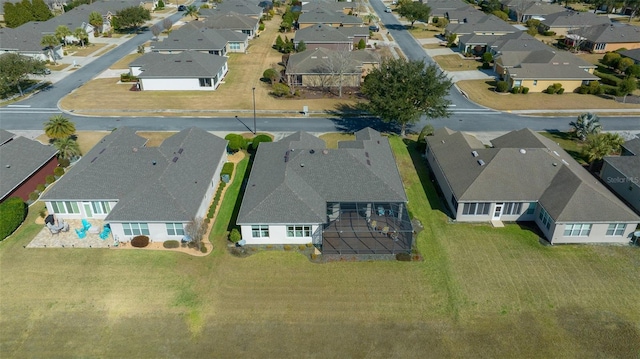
{"type": "Point", "coordinates": [81, 233]}
{"type": "Point", "coordinates": [385, 230]}
{"type": "Point", "coordinates": [374, 225]}
{"type": "Point", "coordinates": [105, 233]}
{"type": "Point", "coordinates": [53, 229]}
{"type": "Point", "coordinates": [381, 211]}
{"type": "Point", "coordinates": [391, 213]}
{"type": "Point", "coordinates": [85, 224]}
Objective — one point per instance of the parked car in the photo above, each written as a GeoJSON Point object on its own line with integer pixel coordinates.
{"type": "Point", "coordinates": [374, 28]}
{"type": "Point", "coordinates": [182, 8]}
{"type": "Point", "coordinates": [387, 9]}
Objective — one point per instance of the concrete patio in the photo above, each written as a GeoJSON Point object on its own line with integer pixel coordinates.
{"type": "Point", "coordinates": [69, 239]}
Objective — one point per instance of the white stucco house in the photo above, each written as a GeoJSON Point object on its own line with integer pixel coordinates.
{"type": "Point", "coordinates": [187, 70]}
{"type": "Point", "coordinates": [139, 190]}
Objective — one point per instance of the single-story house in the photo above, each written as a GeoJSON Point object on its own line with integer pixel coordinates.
{"type": "Point", "coordinates": [440, 8]}
{"type": "Point", "coordinates": [237, 6]}
{"type": "Point", "coordinates": [464, 14]}
{"type": "Point", "coordinates": [233, 21]}
{"type": "Point", "coordinates": [566, 21]}
{"type": "Point", "coordinates": [187, 70]}
{"type": "Point", "coordinates": [485, 25]}
{"type": "Point", "coordinates": [324, 36]}
{"type": "Point", "coordinates": [330, 18]}
{"type": "Point", "coordinates": [632, 54]}
{"type": "Point", "coordinates": [517, 41]}
{"type": "Point", "coordinates": [25, 164]}
{"type": "Point", "coordinates": [197, 37]}
{"type": "Point", "coordinates": [299, 192]}
{"type": "Point", "coordinates": [539, 76]}
{"type": "Point", "coordinates": [26, 41]}
{"type": "Point", "coordinates": [139, 190]}
{"type": "Point", "coordinates": [522, 11]}
{"type": "Point", "coordinates": [344, 7]}
{"type": "Point", "coordinates": [526, 177]}
{"type": "Point", "coordinates": [322, 67]}
{"type": "Point", "coordinates": [609, 37]}
{"type": "Point", "coordinates": [622, 173]}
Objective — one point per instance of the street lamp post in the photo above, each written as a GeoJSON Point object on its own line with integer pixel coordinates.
{"type": "Point", "coordinates": [254, 110]}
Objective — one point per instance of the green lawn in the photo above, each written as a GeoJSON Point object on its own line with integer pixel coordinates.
{"type": "Point", "coordinates": [480, 292]}
{"type": "Point", "coordinates": [568, 143]}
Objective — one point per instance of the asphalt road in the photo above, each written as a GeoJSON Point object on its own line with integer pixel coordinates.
{"type": "Point", "coordinates": [31, 113]}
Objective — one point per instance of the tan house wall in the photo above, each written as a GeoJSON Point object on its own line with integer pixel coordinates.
{"type": "Point", "coordinates": [306, 25]}
{"type": "Point", "coordinates": [351, 80]}
{"type": "Point", "coordinates": [541, 85]}
{"type": "Point", "coordinates": [618, 46]}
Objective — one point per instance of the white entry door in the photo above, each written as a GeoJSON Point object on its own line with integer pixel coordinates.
{"type": "Point", "coordinates": [497, 212]}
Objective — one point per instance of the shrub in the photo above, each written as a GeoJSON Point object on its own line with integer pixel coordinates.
{"type": "Point", "coordinates": [403, 257]}
{"type": "Point", "coordinates": [160, 5]}
{"type": "Point", "coordinates": [442, 23]}
{"type": "Point", "coordinates": [58, 171]}
{"type": "Point", "coordinates": [555, 89]}
{"type": "Point", "coordinates": [207, 220]}
{"type": "Point", "coordinates": [49, 179]}
{"type": "Point", "coordinates": [280, 90]}
{"type": "Point", "coordinates": [611, 59]}
{"type": "Point", "coordinates": [287, 247]}
{"type": "Point", "coordinates": [501, 15]}
{"type": "Point", "coordinates": [560, 91]}
{"type": "Point", "coordinates": [33, 196]}
{"type": "Point", "coordinates": [533, 23]}
{"type": "Point", "coordinates": [302, 247]}
{"type": "Point", "coordinates": [171, 244]}
{"type": "Point", "coordinates": [269, 246]}
{"type": "Point", "coordinates": [549, 33]}
{"type": "Point", "coordinates": [261, 27]}
{"type": "Point", "coordinates": [260, 138]}
{"type": "Point", "coordinates": [63, 162]}
{"type": "Point", "coordinates": [236, 142]}
{"type": "Point", "coordinates": [270, 74]}
{"type": "Point", "coordinates": [486, 65]}
{"type": "Point", "coordinates": [203, 249]}
{"type": "Point", "coordinates": [13, 211]}
{"type": "Point", "coordinates": [127, 77]}
{"type": "Point", "coordinates": [42, 212]}
{"type": "Point", "coordinates": [227, 169]}
{"type": "Point", "coordinates": [515, 90]}
{"type": "Point", "coordinates": [309, 245]}
{"type": "Point", "coordinates": [40, 187]}
{"type": "Point", "coordinates": [607, 79]}
{"type": "Point", "coordinates": [502, 86]}
{"type": "Point", "coordinates": [314, 256]}
{"type": "Point", "coordinates": [140, 241]}
{"type": "Point", "coordinates": [235, 236]}
{"type": "Point", "coordinates": [525, 90]}
{"type": "Point", "coordinates": [361, 44]}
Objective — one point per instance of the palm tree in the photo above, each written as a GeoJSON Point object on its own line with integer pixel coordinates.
{"type": "Point", "coordinates": [67, 148]}
{"type": "Point", "coordinates": [96, 20]}
{"type": "Point", "coordinates": [600, 145]}
{"type": "Point", "coordinates": [58, 127]}
{"type": "Point", "coordinates": [586, 124]}
{"type": "Point", "coordinates": [192, 11]}
{"type": "Point", "coordinates": [62, 32]}
{"type": "Point", "coordinates": [50, 42]}
{"type": "Point", "coordinates": [81, 35]}
{"type": "Point", "coordinates": [369, 18]}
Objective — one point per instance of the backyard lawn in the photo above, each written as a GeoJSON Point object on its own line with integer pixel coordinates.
{"type": "Point", "coordinates": [480, 292]}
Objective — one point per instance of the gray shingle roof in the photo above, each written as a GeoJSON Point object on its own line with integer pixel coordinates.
{"type": "Point", "coordinates": [633, 146]}
{"type": "Point", "coordinates": [440, 7]}
{"type": "Point", "coordinates": [161, 183]}
{"type": "Point", "coordinates": [19, 159]}
{"type": "Point", "coordinates": [323, 16]}
{"type": "Point", "coordinates": [187, 64]}
{"type": "Point", "coordinates": [629, 164]}
{"type": "Point", "coordinates": [485, 24]}
{"type": "Point", "coordinates": [290, 184]}
{"type": "Point", "coordinates": [574, 19]}
{"type": "Point", "coordinates": [24, 40]}
{"type": "Point", "coordinates": [5, 136]}
{"type": "Point", "coordinates": [317, 62]}
{"type": "Point", "coordinates": [337, 6]}
{"type": "Point", "coordinates": [609, 33]}
{"type": "Point", "coordinates": [541, 172]}
{"type": "Point", "coordinates": [321, 33]}
{"type": "Point", "coordinates": [192, 37]}
{"type": "Point", "coordinates": [231, 21]}
{"type": "Point", "coordinates": [632, 54]}
{"type": "Point", "coordinates": [237, 6]}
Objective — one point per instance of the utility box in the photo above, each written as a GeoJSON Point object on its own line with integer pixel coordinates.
{"type": "Point", "coordinates": [305, 110]}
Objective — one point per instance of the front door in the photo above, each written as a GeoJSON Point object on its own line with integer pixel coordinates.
{"type": "Point", "coordinates": [87, 210]}
{"type": "Point", "coordinates": [497, 212]}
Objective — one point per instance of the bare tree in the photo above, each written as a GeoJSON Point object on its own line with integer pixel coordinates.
{"type": "Point", "coordinates": [196, 229]}
{"type": "Point", "coordinates": [156, 30]}
{"type": "Point", "coordinates": [339, 64]}
{"type": "Point", "coordinates": [520, 7]}
{"type": "Point", "coordinates": [167, 23]}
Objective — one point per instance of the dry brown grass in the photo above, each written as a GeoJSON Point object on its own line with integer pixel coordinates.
{"type": "Point", "coordinates": [590, 58]}
{"type": "Point", "coordinates": [123, 63]}
{"type": "Point", "coordinates": [155, 138]}
{"type": "Point", "coordinates": [105, 50]}
{"type": "Point", "coordinates": [421, 31]}
{"type": "Point", "coordinates": [480, 92]}
{"type": "Point", "coordinates": [58, 67]}
{"type": "Point", "coordinates": [332, 139]}
{"type": "Point", "coordinates": [431, 46]}
{"type": "Point", "coordinates": [456, 63]}
{"type": "Point", "coordinates": [84, 51]}
{"type": "Point", "coordinates": [86, 139]}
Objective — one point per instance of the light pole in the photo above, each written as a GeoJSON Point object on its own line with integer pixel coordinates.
{"type": "Point", "coordinates": [254, 110]}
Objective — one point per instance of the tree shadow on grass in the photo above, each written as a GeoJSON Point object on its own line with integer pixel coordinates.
{"type": "Point", "coordinates": [427, 180]}
{"type": "Point", "coordinates": [351, 118]}
{"type": "Point", "coordinates": [238, 203]}
{"type": "Point", "coordinates": [577, 155]}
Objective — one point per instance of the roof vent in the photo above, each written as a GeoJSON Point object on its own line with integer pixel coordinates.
{"type": "Point", "coordinates": [135, 149]}
{"type": "Point", "coordinates": [102, 150]}
{"type": "Point", "coordinates": [95, 158]}
{"type": "Point", "coordinates": [175, 159]}
{"type": "Point", "coordinates": [442, 141]}
{"type": "Point", "coordinates": [302, 165]}
{"type": "Point", "coordinates": [180, 150]}
{"type": "Point", "coordinates": [565, 162]}
{"type": "Point", "coordinates": [366, 154]}
{"type": "Point", "coordinates": [523, 151]}
{"type": "Point", "coordinates": [154, 163]}
{"type": "Point", "coordinates": [481, 162]}
{"type": "Point", "coordinates": [369, 162]}
{"type": "Point", "coordinates": [286, 157]}
{"type": "Point", "coordinates": [474, 153]}
{"type": "Point", "coordinates": [556, 153]}
{"type": "Point", "coordinates": [8, 166]}
{"type": "Point", "coordinates": [325, 152]}
{"type": "Point", "coordinates": [555, 164]}
{"type": "Point", "coordinates": [312, 151]}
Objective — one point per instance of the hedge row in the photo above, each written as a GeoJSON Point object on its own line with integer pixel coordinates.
{"type": "Point", "coordinates": [216, 199]}
{"type": "Point", "coordinates": [227, 169]}
{"type": "Point", "coordinates": [13, 211]}
{"type": "Point", "coordinates": [607, 79]}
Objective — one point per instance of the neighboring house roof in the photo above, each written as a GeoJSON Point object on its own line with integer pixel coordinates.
{"type": "Point", "coordinates": [165, 183]}
{"type": "Point", "coordinates": [24, 40]}
{"type": "Point", "coordinates": [517, 41]}
{"type": "Point", "coordinates": [337, 6]}
{"type": "Point", "coordinates": [318, 62]}
{"type": "Point", "coordinates": [466, 12]}
{"type": "Point", "coordinates": [236, 6]}
{"type": "Point", "coordinates": [20, 157]}
{"type": "Point", "coordinates": [352, 31]}
{"type": "Point", "coordinates": [629, 163]}
{"type": "Point", "coordinates": [485, 24]}
{"type": "Point", "coordinates": [321, 33]}
{"type": "Point", "coordinates": [609, 33]}
{"type": "Point", "coordinates": [323, 16]}
{"type": "Point", "coordinates": [292, 180]}
{"type": "Point", "coordinates": [632, 54]}
{"type": "Point", "coordinates": [525, 166]}
{"type": "Point", "coordinates": [441, 7]}
{"type": "Point", "coordinates": [186, 64]}
{"type": "Point", "coordinates": [574, 19]}
{"type": "Point", "coordinates": [633, 146]}
{"type": "Point", "coordinates": [193, 37]}
{"type": "Point", "coordinates": [231, 21]}
{"type": "Point", "coordinates": [539, 9]}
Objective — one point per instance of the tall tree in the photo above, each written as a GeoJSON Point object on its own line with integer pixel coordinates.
{"type": "Point", "coordinates": [15, 68]}
{"type": "Point", "coordinates": [59, 127]}
{"type": "Point", "coordinates": [369, 18]}
{"type": "Point", "coordinates": [414, 11]}
{"type": "Point", "coordinates": [81, 34]}
{"type": "Point", "coordinates": [600, 145]}
{"type": "Point", "coordinates": [131, 18]}
{"type": "Point", "coordinates": [27, 8]}
{"type": "Point", "coordinates": [338, 65]}
{"type": "Point", "coordinates": [41, 11]}
{"type": "Point", "coordinates": [156, 30]}
{"type": "Point", "coordinates": [192, 11]}
{"type": "Point", "coordinates": [400, 91]}
{"type": "Point", "coordinates": [586, 124]}
{"type": "Point", "coordinates": [50, 42]}
{"type": "Point", "coordinates": [11, 15]}
{"type": "Point", "coordinates": [167, 23]}
{"type": "Point", "coordinates": [627, 86]}
{"type": "Point", "coordinates": [96, 20]}
{"type": "Point", "coordinates": [196, 229]}
{"type": "Point", "coordinates": [67, 147]}
{"type": "Point", "coordinates": [62, 32]}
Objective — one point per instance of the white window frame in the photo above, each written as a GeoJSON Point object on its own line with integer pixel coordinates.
{"type": "Point", "coordinates": [176, 228]}
{"type": "Point", "coordinates": [100, 207]}
{"type": "Point", "coordinates": [234, 46]}
{"type": "Point", "coordinates": [545, 218]}
{"type": "Point", "coordinates": [512, 208]}
{"type": "Point", "coordinates": [65, 207]}
{"type": "Point", "coordinates": [260, 231]}
{"type": "Point", "coordinates": [616, 229]}
{"type": "Point", "coordinates": [135, 229]}
{"type": "Point", "coordinates": [474, 208]}
{"type": "Point", "coordinates": [298, 231]}
{"type": "Point", "coordinates": [205, 82]}
{"type": "Point", "coordinates": [577, 230]}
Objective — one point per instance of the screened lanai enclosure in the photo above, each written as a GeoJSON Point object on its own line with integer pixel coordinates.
{"type": "Point", "coordinates": [365, 228]}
